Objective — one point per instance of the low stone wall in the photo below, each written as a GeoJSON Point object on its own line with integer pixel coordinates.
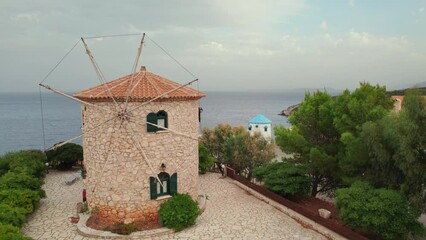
{"type": "Point", "coordinates": [85, 231]}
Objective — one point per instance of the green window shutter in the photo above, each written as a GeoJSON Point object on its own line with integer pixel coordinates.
{"type": "Point", "coordinates": [153, 187]}
{"type": "Point", "coordinates": [151, 118]}
{"type": "Point", "coordinates": [173, 184]}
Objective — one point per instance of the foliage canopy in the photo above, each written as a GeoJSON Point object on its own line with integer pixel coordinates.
{"type": "Point", "coordinates": [65, 156]}
{"type": "Point", "coordinates": [204, 158]}
{"type": "Point", "coordinates": [385, 212]}
{"type": "Point", "coordinates": [283, 178]}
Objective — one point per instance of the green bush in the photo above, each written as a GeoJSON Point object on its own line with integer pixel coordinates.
{"type": "Point", "coordinates": [15, 216]}
{"type": "Point", "coordinates": [25, 161]}
{"type": "Point", "coordinates": [283, 178]}
{"type": "Point", "coordinates": [261, 172]}
{"type": "Point", "coordinates": [12, 180]}
{"type": "Point", "coordinates": [124, 229]}
{"type": "Point", "coordinates": [23, 198]}
{"type": "Point", "coordinates": [4, 165]}
{"type": "Point", "coordinates": [179, 212]}
{"type": "Point", "coordinates": [205, 159]}
{"type": "Point", "coordinates": [9, 232]}
{"type": "Point", "coordinates": [385, 212]}
{"type": "Point", "coordinates": [65, 156]}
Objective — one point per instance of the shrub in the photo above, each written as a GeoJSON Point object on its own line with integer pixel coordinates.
{"type": "Point", "coordinates": [4, 165]}
{"type": "Point", "coordinates": [124, 229]}
{"type": "Point", "coordinates": [9, 232]}
{"type": "Point", "coordinates": [179, 212]}
{"type": "Point", "coordinates": [385, 212]}
{"type": "Point", "coordinates": [14, 180]}
{"type": "Point", "coordinates": [284, 178]}
{"type": "Point", "coordinates": [15, 216]}
{"type": "Point", "coordinates": [205, 159]}
{"type": "Point", "coordinates": [261, 172]}
{"type": "Point", "coordinates": [65, 156]}
{"type": "Point", "coordinates": [23, 198]}
{"type": "Point", "coordinates": [25, 161]}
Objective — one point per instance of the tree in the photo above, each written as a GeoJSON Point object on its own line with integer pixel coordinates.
{"type": "Point", "coordinates": [65, 156]}
{"type": "Point", "coordinates": [26, 161]}
{"type": "Point", "coordinates": [325, 136]}
{"type": "Point", "coordinates": [385, 212]}
{"type": "Point", "coordinates": [205, 159]}
{"type": "Point", "coordinates": [244, 152]}
{"type": "Point", "coordinates": [350, 111]}
{"type": "Point", "coordinates": [283, 178]}
{"type": "Point", "coordinates": [410, 154]}
{"type": "Point", "coordinates": [396, 146]}
{"type": "Point", "coordinates": [366, 103]}
{"type": "Point", "coordinates": [379, 138]}
{"type": "Point", "coordinates": [214, 140]}
{"type": "Point", "coordinates": [313, 141]}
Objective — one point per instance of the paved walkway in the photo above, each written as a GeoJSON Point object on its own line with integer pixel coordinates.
{"type": "Point", "coordinates": [231, 213]}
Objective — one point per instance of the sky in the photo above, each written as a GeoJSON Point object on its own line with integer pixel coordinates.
{"type": "Point", "coordinates": [239, 45]}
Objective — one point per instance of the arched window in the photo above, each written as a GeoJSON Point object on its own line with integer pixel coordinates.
{"type": "Point", "coordinates": [164, 188]}
{"type": "Point", "coordinates": [159, 119]}
{"type": "Point", "coordinates": [168, 187]}
{"type": "Point", "coordinates": [266, 128]}
{"type": "Point", "coordinates": [162, 120]}
{"type": "Point", "coordinates": [249, 128]}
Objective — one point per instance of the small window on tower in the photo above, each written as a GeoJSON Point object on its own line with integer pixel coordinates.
{"type": "Point", "coordinates": [162, 120]}
{"type": "Point", "coordinates": [156, 121]}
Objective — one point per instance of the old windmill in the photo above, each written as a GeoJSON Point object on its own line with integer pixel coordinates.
{"type": "Point", "coordinates": [140, 140]}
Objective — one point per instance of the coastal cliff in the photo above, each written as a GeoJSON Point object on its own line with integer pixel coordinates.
{"type": "Point", "coordinates": [287, 112]}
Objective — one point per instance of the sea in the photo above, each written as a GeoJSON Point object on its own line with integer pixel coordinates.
{"type": "Point", "coordinates": [22, 121]}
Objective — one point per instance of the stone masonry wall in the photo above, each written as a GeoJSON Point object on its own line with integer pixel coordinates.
{"type": "Point", "coordinates": [117, 181]}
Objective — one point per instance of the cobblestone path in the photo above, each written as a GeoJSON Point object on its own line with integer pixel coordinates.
{"type": "Point", "coordinates": [231, 213]}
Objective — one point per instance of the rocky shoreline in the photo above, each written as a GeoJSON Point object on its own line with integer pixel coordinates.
{"type": "Point", "coordinates": [287, 112]}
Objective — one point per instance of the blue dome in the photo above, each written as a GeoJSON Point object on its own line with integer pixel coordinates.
{"type": "Point", "coordinates": [260, 119]}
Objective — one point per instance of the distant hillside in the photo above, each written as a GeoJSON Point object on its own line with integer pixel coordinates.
{"type": "Point", "coordinates": [401, 92]}
{"type": "Point", "coordinates": [420, 85]}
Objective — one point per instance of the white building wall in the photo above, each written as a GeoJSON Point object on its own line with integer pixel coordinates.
{"type": "Point", "coordinates": [260, 128]}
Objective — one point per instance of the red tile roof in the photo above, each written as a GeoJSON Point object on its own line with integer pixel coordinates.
{"type": "Point", "coordinates": [143, 87]}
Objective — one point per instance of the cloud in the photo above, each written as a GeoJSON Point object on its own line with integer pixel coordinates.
{"type": "Point", "coordinates": [291, 44]}
{"type": "Point", "coordinates": [351, 3]}
{"type": "Point", "coordinates": [29, 17]}
{"type": "Point", "coordinates": [421, 10]}
{"type": "Point", "coordinates": [213, 47]}
{"type": "Point", "coordinates": [357, 41]}
{"type": "Point", "coordinates": [324, 25]}
{"type": "Point", "coordinates": [365, 39]}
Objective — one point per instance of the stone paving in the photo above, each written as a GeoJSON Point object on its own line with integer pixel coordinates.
{"type": "Point", "coordinates": [231, 213]}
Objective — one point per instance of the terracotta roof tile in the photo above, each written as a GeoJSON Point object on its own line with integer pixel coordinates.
{"type": "Point", "coordinates": [143, 86]}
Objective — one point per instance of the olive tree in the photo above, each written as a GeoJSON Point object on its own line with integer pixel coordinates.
{"type": "Point", "coordinates": [244, 152]}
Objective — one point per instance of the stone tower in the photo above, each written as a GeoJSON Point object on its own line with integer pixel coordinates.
{"type": "Point", "coordinates": [132, 166]}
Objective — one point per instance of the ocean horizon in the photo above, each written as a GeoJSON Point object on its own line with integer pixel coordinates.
{"type": "Point", "coordinates": [21, 118]}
